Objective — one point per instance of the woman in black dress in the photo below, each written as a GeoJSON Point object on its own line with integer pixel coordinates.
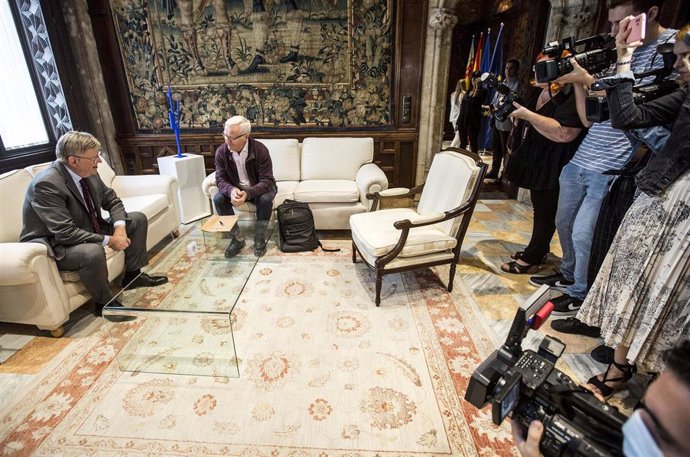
{"type": "Point", "coordinates": [470, 118]}
{"type": "Point", "coordinates": [550, 134]}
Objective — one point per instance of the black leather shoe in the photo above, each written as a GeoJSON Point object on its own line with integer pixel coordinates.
{"type": "Point", "coordinates": [145, 280]}
{"type": "Point", "coordinates": [259, 248]}
{"type": "Point", "coordinates": [575, 327]}
{"type": "Point", "coordinates": [234, 247]}
{"type": "Point", "coordinates": [98, 307]}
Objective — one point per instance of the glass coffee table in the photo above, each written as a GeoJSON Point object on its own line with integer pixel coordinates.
{"type": "Point", "coordinates": [186, 325]}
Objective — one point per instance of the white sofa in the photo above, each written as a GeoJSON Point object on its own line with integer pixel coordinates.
{"type": "Point", "coordinates": [32, 290]}
{"type": "Point", "coordinates": [333, 175]}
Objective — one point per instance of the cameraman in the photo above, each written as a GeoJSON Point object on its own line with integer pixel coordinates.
{"type": "Point", "coordinates": [659, 427]}
{"type": "Point", "coordinates": [585, 181]}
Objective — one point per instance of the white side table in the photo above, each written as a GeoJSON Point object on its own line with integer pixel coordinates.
{"type": "Point", "coordinates": [190, 173]}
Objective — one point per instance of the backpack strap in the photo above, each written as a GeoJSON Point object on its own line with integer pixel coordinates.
{"type": "Point", "coordinates": [328, 249]}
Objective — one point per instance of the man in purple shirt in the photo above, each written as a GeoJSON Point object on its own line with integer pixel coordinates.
{"type": "Point", "coordinates": [244, 173]}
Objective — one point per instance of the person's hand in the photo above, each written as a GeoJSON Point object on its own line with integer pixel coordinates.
{"type": "Point", "coordinates": [238, 197]}
{"type": "Point", "coordinates": [623, 48]}
{"type": "Point", "coordinates": [118, 242]}
{"type": "Point", "coordinates": [578, 76]}
{"type": "Point", "coordinates": [520, 112]}
{"type": "Point", "coordinates": [527, 446]}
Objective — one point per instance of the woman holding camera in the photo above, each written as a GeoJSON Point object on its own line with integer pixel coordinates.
{"type": "Point", "coordinates": [641, 296]}
{"type": "Point", "coordinates": [470, 118]}
{"type": "Point", "coordinates": [542, 145]}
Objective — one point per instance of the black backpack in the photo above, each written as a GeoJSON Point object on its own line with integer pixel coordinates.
{"type": "Point", "coordinates": [296, 227]}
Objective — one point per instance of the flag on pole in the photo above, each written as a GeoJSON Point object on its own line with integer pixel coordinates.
{"type": "Point", "coordinates": [478, 53]}
{"type": "Point", "coordinates": [485, 64]}
{"type": "Point", "coordinates": [497, 57]}
{"type": "Point", "coordinates": [468, 67]}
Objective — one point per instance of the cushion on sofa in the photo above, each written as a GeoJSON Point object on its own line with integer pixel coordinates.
{"type": "Point", "coordinates": [335, 158]}
{"type": "Point", "coordinates": [285, 158]}
{"type": "Point", "coordinates": [150, 205]}
{"type": "Point", "coordinates": [13, 186]}
{"type": "Point", "coordinates": [327, 191]}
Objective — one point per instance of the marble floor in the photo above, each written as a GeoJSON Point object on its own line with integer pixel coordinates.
{"type": "Point", "coordinates": [499, 228]}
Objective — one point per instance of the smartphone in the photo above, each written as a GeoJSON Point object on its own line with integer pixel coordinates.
{"type": "Point", "coordinates": [637, 28]}
{"type": "Point", "coordinates": [686, 61]}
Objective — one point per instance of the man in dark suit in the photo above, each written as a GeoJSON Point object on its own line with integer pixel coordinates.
{"type": "Point", "coordinates": [62, 210]}
{"type": "Point", "coordinates": [244, 172]}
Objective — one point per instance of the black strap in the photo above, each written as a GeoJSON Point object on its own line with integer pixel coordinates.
{"type": "Point", "coordinates": [328, 249]}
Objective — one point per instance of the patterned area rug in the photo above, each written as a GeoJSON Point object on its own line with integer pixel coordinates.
{"type": "Point", "coordinates": [322, 372]}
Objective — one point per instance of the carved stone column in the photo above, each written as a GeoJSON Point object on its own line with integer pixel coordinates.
{"type": "Point", "coordinates": [83, 45]}
{"type": "Point", "coordinates": [571, 18]}
{"type": "Point", "coordinates": [434, 83]}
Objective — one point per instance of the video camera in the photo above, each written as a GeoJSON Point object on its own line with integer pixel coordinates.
{"type": "Point", "coordinates": [503, 110]}
{"type": "Point", "coordinates": [528, 386]}
{"type": "Point", "coordinates": [597, 107]}
{"type": "Point", "coordinates": [598, 55]}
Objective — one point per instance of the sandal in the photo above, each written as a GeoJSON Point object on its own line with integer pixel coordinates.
{"type": "Point", "coordinates": [518, 255]}
{"type": "Point", "coordinates": [606, 391]}
{"type": "Point", "coordinates": [516, 268]}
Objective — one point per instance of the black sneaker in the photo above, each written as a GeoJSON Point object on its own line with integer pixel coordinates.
{"type": "Point", "coordinates": [555, 281]}
{"type": "Point", "coordinates": [575, 327]}
{"type": "Point", "coordinates": [565, 305]}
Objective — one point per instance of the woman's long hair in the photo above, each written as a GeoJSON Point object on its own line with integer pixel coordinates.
{"type": "Point", "coordinates": [459, 89]}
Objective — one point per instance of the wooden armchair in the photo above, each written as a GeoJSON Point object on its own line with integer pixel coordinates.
{"type": "Point", "coordinates": [401, 239]}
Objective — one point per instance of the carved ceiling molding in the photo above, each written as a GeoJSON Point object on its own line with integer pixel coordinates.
{"type": "Point", "coordinates": [571, 18]}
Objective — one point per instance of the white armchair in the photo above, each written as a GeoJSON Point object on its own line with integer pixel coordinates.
{"type": "Point", "coordinates": [401, 239]}
{"type": "Point", "coordinates": [32, 290]}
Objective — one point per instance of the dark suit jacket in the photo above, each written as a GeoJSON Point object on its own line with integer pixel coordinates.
{"type": "Point", "coordinates": [55, 214]}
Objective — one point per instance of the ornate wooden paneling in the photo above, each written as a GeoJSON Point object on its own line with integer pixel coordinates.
{"type": "Point", "coordinates": [393, 152]}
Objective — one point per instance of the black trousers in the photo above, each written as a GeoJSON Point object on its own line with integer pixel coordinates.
{"type": "Point", "coordinates": [544, 205]}
{"type": "Point", "coordinates": [471, 135]}
{"type": "Point", "coordinates": [499, 140]}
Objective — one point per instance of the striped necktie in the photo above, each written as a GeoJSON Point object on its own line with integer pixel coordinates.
{"type": "Point", "coordinates": [93, 216]}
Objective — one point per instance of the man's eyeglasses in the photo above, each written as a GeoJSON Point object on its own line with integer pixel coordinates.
{"type": "Point", "coordinates": [94, 160]}
{"type": "Point", "coordinates": [228, 137]}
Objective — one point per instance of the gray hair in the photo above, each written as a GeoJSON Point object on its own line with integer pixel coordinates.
{"type": "Point", "coordinates": [74, 144]}
{"type": "Point", "coordinates": [243, 122]}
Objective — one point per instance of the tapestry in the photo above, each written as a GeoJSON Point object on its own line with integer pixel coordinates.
{"type": "Point", "coordinates": [287, 63]}
{"type": "Point", "coordinates": [322, 372]}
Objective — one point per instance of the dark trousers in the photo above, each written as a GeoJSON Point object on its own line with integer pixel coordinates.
{"type": "Point", "coordinates": [471, 135]}
{"type": "Point", "coordinates": [499, 140]}
{"type": "Point", "coordinates": [88, 259]}
{"type": "Point", "coordinates": [263, 202]}
{"type": "Point", "coordinates": [544, 205]}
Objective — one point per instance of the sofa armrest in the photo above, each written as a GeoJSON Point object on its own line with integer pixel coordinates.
{"type": "Point", "coordinates": [137, 185]}
{"type": "Point", "coordinates": [21, 263]}
{"type": "Point", "coordinates": [209, 185]}
{"type": "Point", "coordinates": [370, 178]}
